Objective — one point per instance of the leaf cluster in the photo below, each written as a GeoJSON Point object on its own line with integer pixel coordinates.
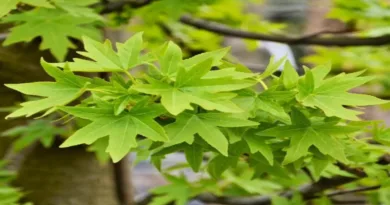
{"type": "Point", "coordinates": [256, 130]}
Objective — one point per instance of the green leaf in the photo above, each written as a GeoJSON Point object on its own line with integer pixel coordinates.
{"type": "Point", "coordinates": [206, 125]}
{"type": "Point", "coordinates": [330, 95]}
{"type": "Point", "coordinates": [54, 26]}
{"type": "Point", "coordinates": [105, 59]}
{"type": "Point", "coordinates": [178, 191]}
{"type": "Point", "coordinates": [303, 135]}
{"type": "Point", "coordinates": [191, 88]}
{"type": "Point", "coordinates": [272, 67]}
{"type": "Point", "coordinates": [272, 107]}
{"type": "Point", "coordinates": [216, 57]}
{"type": "Point", "coordinates": [129, 52]}
{"type": "Point", "coordinates": [99, 148]}
{"type": "Point", "coordinates": [171, 59]}
{"type": "Point", "coordinates": [41, 130]}
{"type": "Point", "coordinates": [194, 156]}
{"type": "Point", "coordinates": [220, 164]}
{"type": "Point", "coordinates": [289, 76]}
{"type": "Point", "coordinates": [319, 165]}
{"type": "Point", "coordinates": [9, 5]}
{"type": "Point", "coordinates": [67, 88]}
{"type": "Point", "coordinates": [257, 144]}
{"type": "Point", "coordinates": [121, 129]}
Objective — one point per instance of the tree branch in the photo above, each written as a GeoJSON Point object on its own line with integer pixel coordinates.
{"type": "Point", "coordinates": [120, 5]}
{"type": "Point", "coordinates": [333, 41]}
{"type": "Point", "coordinates": [224, 30]}
{"type": "Point", "coordinates": [360, 189]}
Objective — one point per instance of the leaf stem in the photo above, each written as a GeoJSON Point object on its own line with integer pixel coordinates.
{"type": "Point", "coordinates": [130, 77]}
{"type": "Point", "coordinates": [262, 84]}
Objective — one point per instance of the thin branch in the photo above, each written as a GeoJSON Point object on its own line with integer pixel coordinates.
{"type": "Point", "coordinates": [224, 30]}
{"type": "Point", "coordinates": [120, 5]}
{"type": "Point", "coordinates": [333, 41]}
{"type": "Point", "coordinates": [348, 202]}
{"type": "Point", "coordinates": [360, 189]}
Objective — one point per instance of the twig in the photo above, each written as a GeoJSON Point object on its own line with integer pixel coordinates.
{"type": "Point", "coordinates": [334, 201]}
{"type": "Point", "coordinates": [120, 5]}
{"type": "Point", "coordinates": [360, 189]}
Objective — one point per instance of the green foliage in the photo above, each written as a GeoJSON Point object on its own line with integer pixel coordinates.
{"type": "Point", "coordinates": [66, 88]}
{"type": "Point", "coordinates": [41, 130]}
{"type": "Point", "coordinates": [8, 194]}
{"type": "Point", "coordinates": [257, 136]}
{"type": "Point", "coordinates": [53, 25]}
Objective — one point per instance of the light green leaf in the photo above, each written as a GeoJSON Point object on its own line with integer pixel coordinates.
{"type": "Point", "coordinates": [53, 25]}
{"type": "Point", "coordinates": [129, 52]}
{"type": "Point", "coordinates": [187, 125]}
{"type": "Point", "coordinates": [330, 95]}
{"type": "Point", "coordinates": [257, 144]}
{"type": "Point", "coordinates": [171, 59]}
{"type": "Point", "coordinates": [67, 88]}
{"type": "Point", "coordinates": [272, 67]}
{"type": "Point", "coordinates": [216, 57]}
{"type": "Point", "coordinates": [303, 135]}
{"type": "Point", "coordinates": [194, 156]}
{"type": "Point", "coordinates": [178, 191]}
{"type": "Point", "coordinates": [190, 88]}
{"type": "Point", "coordinates": [9, 5]}
{"type": "Point", "coordinates": [122, 129]}
{"type": "Point", "coordinates": [289, 76]}
{"type": "Point", "coordinates": [105, 59]}
{"type": "Point", "coordinates": [220, 164]}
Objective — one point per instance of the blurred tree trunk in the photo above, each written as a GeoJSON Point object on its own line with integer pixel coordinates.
{"type": "Point", "coordinates": [52, 176]}
{"type": "Point", "coordinates": [68, 176]}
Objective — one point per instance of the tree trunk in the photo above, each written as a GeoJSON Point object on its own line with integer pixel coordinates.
{"type": "Point", "coordinates": [68, 176]}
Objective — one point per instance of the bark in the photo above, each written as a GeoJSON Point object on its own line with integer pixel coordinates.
{"type": "Point", "coordinates": [68, 176]}
{"type": "Point", "coordinates": [18, 64]}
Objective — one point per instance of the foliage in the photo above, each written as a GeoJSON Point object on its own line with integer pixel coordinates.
{"type": "Point", "coordinates": [8, 194]}
{"type": "Point", "coordinates": [257, 137]}
{"type": "Point", "coordinates": [247, 133]}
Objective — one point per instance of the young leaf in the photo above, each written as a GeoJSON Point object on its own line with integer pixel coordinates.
{"type": "Point", "coordinates": [289, 76]}
{"type": "Point", "coordinates": [51, 26]}
{"type": "Point", "coordinates": [122, 129]}
{"type": "Point", "coordinates": [330, 95]}
{"type": "Point", "coordinates": [216, 57]}
{"type": "Point", "coordinates": [178, 191]}
{"type": "Point", "coordinates": [105, 59]}
{"type": "Point", "coordinates": [304, 135]}
{"type": "Point", "coordinates": [206, 125]}
{"type": "Point", "coordinates": [41, 130]}
{"type": "Point", "coordinates": [191, 88]}
{"type": "Point", "coordinates": [67, 88]}
{"type": "Point", "coordinates": [129, 52]}
{"type": "Point", "coordinates": [171, 59]}
{"type": "Point", "coordinates": [9, 5]}
{"type": "Point", "coordinates": [272, 67]}
{"type": "Point", "coordinates": [194, 156]}
{"type": "Point", "coordinates": [219, 164]}
{"type": "Point", "coordinates": [257, 144]}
